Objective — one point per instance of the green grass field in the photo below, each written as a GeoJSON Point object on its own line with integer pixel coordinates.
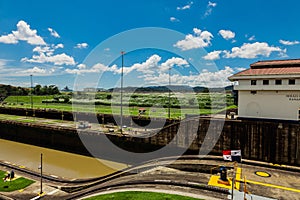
{"type": "Point", "coordinates": [140, 196]}
{"type": "Point", "coordinates": [141, 100]}
{"type": "Point", "coordinates": [15, 184]}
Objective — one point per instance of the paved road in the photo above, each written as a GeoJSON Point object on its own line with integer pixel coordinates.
{"type": "Point", "coordinates": [185, 175]}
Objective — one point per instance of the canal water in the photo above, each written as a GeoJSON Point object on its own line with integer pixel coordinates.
{"type": "Point", "coordinates": [57, 163]}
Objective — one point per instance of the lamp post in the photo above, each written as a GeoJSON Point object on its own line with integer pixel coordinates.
{"type": "Point", "coordinates": [121, 120]}
{"type": "Point", "coordinates": [31, 91]}
{"type": "Point", "coordinates": [41, 175]}
{"type": "Point", "coordinates": [169, 107]}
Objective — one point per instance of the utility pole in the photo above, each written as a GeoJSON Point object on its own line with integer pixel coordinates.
{"type": "Point", "coordinates": [121, 120]}
{"type": "Point", "coordinates": [31, 91]}
{"type": "Point", "coordinates": [232, 187]}
{"type": "Point", "coordinates": [41, 168]}
{"type": "Point", "coordinates": [169, 107]}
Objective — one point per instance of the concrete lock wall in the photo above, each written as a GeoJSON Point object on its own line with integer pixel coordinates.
{"type": "Point", "coordinates": [275, 142]}
{"type": "Point", "coordinates": [92, 117]}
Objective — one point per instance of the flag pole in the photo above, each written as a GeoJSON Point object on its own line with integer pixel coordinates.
{"type": "Point", "coordinates": [232, 183]}
{"type": "Point", "coordinates": [122, 74]}
{"type": "Point", "coordinates": [241, 165]}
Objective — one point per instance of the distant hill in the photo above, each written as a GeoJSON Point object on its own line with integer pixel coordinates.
{"type": "Point", "coordinates": [175, 88]}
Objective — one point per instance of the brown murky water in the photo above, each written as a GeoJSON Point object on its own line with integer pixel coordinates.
{"type": "Point", "coordinates": [55, 162]}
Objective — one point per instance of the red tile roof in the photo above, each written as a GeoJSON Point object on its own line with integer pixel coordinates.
{"type": "Point", "coordinates": [271, 67]}
{"type": "Point", "coordinates": [270, 71]}
{"type": "Point", "coordinates": [276, 63]}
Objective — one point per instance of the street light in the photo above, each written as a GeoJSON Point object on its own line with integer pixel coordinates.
{"type": "Point", "coordinates": [121, 121]}
{"type": "Point", "coordinates": [31, 91]}
{"type": "Point", "coordinates": [169, 107]}
{"type": "Point", "coordinates": [41, 175]}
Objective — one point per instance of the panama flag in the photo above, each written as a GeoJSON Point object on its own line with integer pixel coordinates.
{"type": "Point", "coordinates": [232, 155]}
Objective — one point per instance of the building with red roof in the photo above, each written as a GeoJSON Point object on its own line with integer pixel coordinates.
{"type": "Point", "coordinates": [269, 89]}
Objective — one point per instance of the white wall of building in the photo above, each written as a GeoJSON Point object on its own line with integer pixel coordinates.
{"type": "Point", "coordinates": [269, 104]}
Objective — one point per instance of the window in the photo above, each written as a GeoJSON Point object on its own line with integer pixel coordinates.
{"type": "Point", "coordinates": [278, 82]}
{"type": "Point", "coordinates": [265, 82]}
{"type": "Point", "coordinates": [253, 82]}
{"type": "Point", "coordinates": [253, 92]}
{"type": "Point", "coordinates": [292, 81]}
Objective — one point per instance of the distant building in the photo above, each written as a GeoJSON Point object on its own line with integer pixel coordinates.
{"type": "Point", "coordinates": [66, 89]}
{"type": "Point", "coordinates": [89, 89]}
{"type": "Point", "coordinates": [94, 90]}
{"type": "Point", "coordinates": [269, 89]}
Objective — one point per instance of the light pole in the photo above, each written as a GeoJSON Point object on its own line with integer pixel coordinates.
{"type": "Point", "coordinates": [169, 107]}
{"type": "Point", "coordinates": [41, 174]}
{"type": "Point", "coordinates": [121, 120]}
{"type": "Point", "coordinates": [31, 91]}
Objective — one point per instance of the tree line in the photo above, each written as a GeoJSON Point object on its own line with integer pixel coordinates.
{"type": "Point", "coordinates": [45, 90]}
{"type": "Point", "coordinates": [8, 90]}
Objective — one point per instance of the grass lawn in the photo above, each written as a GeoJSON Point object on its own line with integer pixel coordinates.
{"type": "Point", "coordinates": [140, 196]}
{"type": "Point", "coordinates": [25, 102]}
{"type": "Point", "coordinates": [15, 184]}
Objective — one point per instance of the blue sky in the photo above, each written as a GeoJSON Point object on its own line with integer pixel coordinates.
{"type": "Point", "coordinates": [69, 43]}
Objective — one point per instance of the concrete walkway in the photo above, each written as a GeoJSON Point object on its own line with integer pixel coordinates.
{"type": "Point", "coordinates": [237, 195]}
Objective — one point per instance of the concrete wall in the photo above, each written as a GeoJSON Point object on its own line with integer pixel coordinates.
{"type": "Point", "coordinates": [92, 117]}
{"type": "Point", "coordinates": [274, 142]}
{"type": "Point", "coordinates": [269, 101]}
{"type": "Point", "coordinates": [269, 104]}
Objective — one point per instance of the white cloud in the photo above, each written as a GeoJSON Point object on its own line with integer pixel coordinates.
{"type": "Point", "coordinates": [58, 46]}
{"type": "Point", "coordinates": [4, 65]}
{"type": "Point", "coordinates": [154, 72]}
{"type": "Point", "coordinates": [152, 66]}
{"type": "Point", "coordinates": [107, 49]}
{"type": "Point", "coordinates": [252, 50]}
{"type": "Point", "coordinates": [211, 4]}
{"type": "Point", "coordinates": [170, 63]}
{"type": "Point", "coordinates": [23, 33]}
{"type": "Point", "coordinates": [53, 33]}
{"type": "Point", "coordinates": [289, 43]}
{"type": "Point", "coordinates": [198, 40]}
{"type": "Point", "coordinates": [8, 69]}
{"type": "Point", "coordinates": [148, 68]}
{"type": "Point", "coordinates": [34, 71]}
{"type": "Point", "coordinates": [45, 54]}
{"type": "Point", "coordinates": [227, 34]}
{"type": "Point", "coordinates": [81, 45]}
{"type": "Point", "coordinates": [44, 49]}
{"type": "Point", "coordinates": [173, 19]}
{"type": "Point", "coordinates": [81, 66]}
{"type": "Point", "coordinates": [58, 59]}
{"type": "Point", "coordinates": [48, 50]}
{"type": "Point", "coordinates": [8, 39]}
{"type": "Point", "coordinates": [2, 62]}
{"type": "Point", "coordinates": [214, 55]}
{"type": "Point", "coordinates": [240, 69]}
{"type": "Point", "coordinates": [283, 54]}
{"type": "Point", "coordinates": [185, 7]}
{"type": "Point", "coordinates": [205, 78]}
{"type": "Point", "coordinates": [209, 8]}
{"type": "Point", "coordinates": [252, 38]}
{"type": "Point", "coordinates": [97, 68]}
